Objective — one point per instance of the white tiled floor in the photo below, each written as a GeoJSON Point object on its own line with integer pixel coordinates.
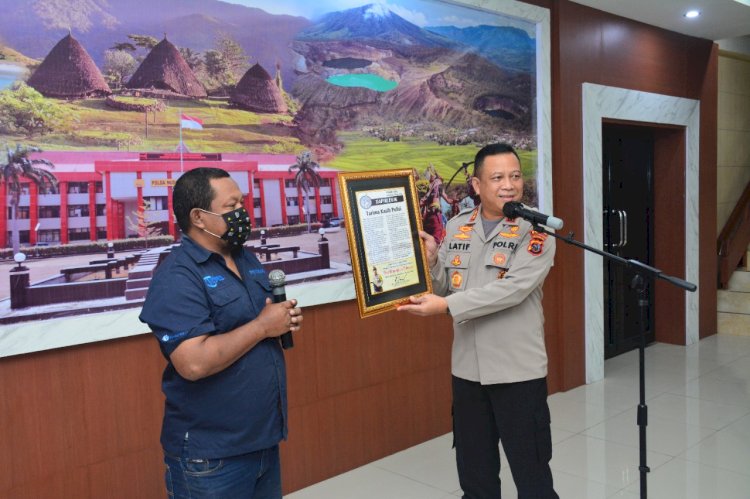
{"type": "Point", "coordinates": [698, 400]}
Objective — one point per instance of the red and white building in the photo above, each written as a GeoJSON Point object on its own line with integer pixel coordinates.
{"type": "Point", "coordinates": [100, 194]}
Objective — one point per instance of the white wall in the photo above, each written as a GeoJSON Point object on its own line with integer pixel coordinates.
{"type": "Point", "coordinates": [733, 123]}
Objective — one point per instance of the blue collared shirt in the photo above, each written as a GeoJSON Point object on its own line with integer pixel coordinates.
{"type": "Point", "coordinates": [242, 408]}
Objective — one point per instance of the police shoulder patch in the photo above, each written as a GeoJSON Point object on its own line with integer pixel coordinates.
{"type": "Point", "coordinates": [536, 245]}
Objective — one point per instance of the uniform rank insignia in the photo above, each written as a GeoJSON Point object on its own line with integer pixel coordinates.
{"type": "Point", "coordinates": [474, 215]}
{"type": "Point", "coordinates": [456, 279]}
{"type": "Point", "coordinates": [499, 259]}
{"type": "Point", "coordinates": [456, 261]}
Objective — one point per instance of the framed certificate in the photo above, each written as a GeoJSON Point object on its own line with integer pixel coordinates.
{"type": "Point", "coordinates": [383, 221]}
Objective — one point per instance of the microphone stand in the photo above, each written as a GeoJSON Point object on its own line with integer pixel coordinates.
{"type": "Point", "coordinates": [638, 284]}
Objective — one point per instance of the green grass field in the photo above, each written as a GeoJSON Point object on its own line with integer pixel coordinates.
{"type": "Point", "coordinates": [365, 153]}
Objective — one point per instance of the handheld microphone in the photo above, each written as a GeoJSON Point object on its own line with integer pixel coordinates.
{"type": "Point", "coordinates": [277, 278]}
{"type": "Point", "coordinates": [514, 209]}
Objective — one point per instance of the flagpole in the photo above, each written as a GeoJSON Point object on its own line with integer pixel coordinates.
{"type": "Point", "coordinates": [179, 119]}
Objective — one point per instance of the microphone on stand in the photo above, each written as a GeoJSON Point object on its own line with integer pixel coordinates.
{"type": "Point", "coordinates": [514, 209]}
{"type": "Point", "coordinates": [277, 278]}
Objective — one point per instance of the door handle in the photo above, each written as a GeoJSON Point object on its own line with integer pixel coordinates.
{"type": "Point", "coordinates": [622, 219]}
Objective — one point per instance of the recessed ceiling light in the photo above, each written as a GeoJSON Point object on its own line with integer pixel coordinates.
{"type": "Point", "coordinates": [692, 13]}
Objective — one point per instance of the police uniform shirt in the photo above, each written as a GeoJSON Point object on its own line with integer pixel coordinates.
{"type": "Point", "coordinates": [243, 408]}
{"type": "Point", "coordinates": [493, 286]}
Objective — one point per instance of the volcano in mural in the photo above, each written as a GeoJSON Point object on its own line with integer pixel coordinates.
{"type": "Point", "coordinates": [367, 66]}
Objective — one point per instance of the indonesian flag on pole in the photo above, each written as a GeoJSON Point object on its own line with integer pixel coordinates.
{"type": "Point", "coordinates": [190, 122]}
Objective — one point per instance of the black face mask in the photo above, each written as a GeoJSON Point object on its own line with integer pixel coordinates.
{"type": "Point", "coordinates": [238, 226]}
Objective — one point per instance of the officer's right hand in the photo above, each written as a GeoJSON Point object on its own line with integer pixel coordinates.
{"type": "Point", "coordinates": [277, 318]}
{"type": "Point", "coordinates": [430, 246]}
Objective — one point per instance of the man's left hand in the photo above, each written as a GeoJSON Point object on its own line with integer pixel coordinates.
{"type": "Point", "coordinates": [425, 305]}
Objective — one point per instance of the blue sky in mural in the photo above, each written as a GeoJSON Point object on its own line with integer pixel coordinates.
{"type": "Point", "coordinates": [417, 12]}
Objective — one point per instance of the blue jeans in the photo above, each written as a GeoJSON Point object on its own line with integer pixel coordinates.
{"type": "Point", "coordinates": [256, 475]}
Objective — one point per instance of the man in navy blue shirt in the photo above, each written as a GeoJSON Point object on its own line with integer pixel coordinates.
{"type": "Point", "coordinates": [209, 306]}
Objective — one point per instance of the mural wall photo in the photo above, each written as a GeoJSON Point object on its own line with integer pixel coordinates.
{"type": "Point", "coordinates": [104, 104]}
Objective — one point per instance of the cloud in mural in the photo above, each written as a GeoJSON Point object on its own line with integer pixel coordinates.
{"type": "Point", "coordinates": [412, 16]}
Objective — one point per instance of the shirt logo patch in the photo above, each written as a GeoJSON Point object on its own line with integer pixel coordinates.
{"type": "Point", "coordinates": [456, 279]}
{"type": "Point", "coordinates": [499, 259]}
{"type": "Point", "coordinates": [212, 280]}
{"type": "Point", "coordinates": [255, 272]}
{"type": "Point", "coordinates": [176, 336]}
{"type": "Point", "coordinates": [456, 261]}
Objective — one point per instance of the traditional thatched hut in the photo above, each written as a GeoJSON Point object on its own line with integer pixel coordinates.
{"type": "Point", "coordinates": [68, 72]}
{"type": "Point", "coordinates": [165, 68]}
{"type": "Point", "coordinates": [258, 92]}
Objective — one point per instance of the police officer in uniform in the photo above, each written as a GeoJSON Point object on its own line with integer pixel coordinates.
{"type": "Point", "coordinates": [488, 275]}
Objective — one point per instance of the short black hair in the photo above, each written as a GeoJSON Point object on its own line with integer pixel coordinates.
{"type": "Point", "coordinates": [193, 190]}
{"type": "Point", "coordinates": [492, 150]}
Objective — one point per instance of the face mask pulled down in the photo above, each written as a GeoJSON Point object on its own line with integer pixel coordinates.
{"type": "Point", "coordinates": [238, 226]}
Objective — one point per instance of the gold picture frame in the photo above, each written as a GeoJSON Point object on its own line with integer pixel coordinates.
{"type": "Point", "coordinates": [382, 220]}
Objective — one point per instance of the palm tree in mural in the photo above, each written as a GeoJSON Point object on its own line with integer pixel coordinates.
{"type": "Point", "coordinates": [306, 178]}
{"type": "Point", "coordinates": [18, 165]}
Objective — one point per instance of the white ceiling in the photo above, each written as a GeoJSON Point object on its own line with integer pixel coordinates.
{"type": "Point", "coordinates": [719, 19]}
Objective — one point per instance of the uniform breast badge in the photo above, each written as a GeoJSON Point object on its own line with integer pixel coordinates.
{"type": "Point", "coordinates": [499, 259]}
{"type": "Point", "coordinates": [511, 233]}
{"type": "Point", "coordinates": [456, 261]}
{"type": "Point", "coordinates": [456, 279]}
